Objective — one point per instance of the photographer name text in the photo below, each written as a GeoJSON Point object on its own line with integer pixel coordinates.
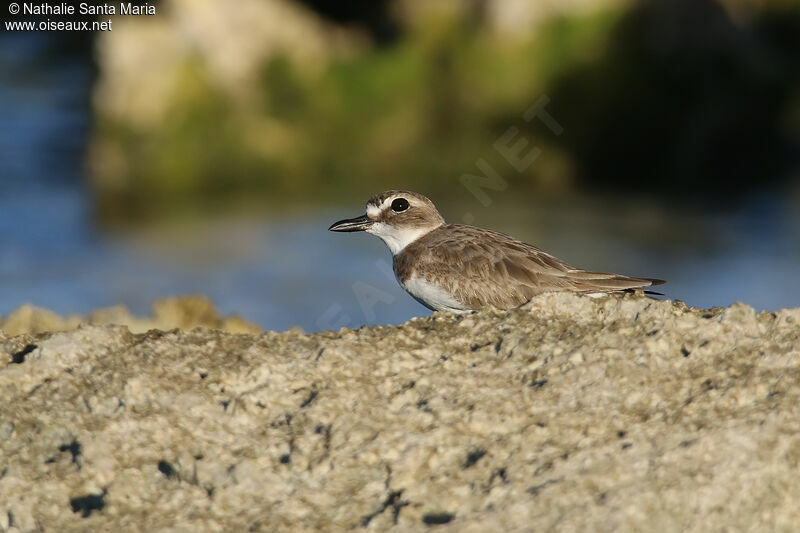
{"type": "Point", "coordinates": [85, 8]}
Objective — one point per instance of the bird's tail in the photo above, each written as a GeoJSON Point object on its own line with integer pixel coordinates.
{"type": "Point", "coordinates": [602, 282]}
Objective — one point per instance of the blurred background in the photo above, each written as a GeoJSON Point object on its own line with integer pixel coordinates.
{"type": "Point", "coordinates": [206, 148]}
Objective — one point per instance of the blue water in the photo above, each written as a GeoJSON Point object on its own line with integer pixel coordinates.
{"type": "Point", "coordinates": [291, 271]}
{"type": "Point", "coordinates": [288, 270]}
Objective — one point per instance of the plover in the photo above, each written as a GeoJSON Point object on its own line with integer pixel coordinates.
{"type": "Point", "coordinates": [462, 268]}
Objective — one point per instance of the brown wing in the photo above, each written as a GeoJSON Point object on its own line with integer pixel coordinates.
{"type": "Point", "coordinates": [481, 268]}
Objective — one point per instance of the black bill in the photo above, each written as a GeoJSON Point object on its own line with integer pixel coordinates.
{"type": "Point", "coordinates": [352, 224]}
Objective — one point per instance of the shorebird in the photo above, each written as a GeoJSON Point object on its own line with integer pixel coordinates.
{"type": "Point", "coordinates": [462, 268]}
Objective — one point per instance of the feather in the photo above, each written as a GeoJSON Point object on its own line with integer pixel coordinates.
{"type": "Point", "coordinates": [482, 267]}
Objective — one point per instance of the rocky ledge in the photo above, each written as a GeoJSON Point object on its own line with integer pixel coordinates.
{"type": "Point", "coordinates": [569, 413]}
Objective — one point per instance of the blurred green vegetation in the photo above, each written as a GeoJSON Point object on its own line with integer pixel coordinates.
{"type": "Point", "coordinates": [672, 97]}
{"type": "Point", "coordinates": [687, 102]}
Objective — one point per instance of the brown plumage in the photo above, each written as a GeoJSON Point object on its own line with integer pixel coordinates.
{"type": "Point", "coordinates": [458, 267]}
{"type": "Point", "coordinates": [483, 267]}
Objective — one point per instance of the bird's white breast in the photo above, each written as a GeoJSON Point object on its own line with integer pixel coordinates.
{"type": "Point", "coordinates": [432, 296]}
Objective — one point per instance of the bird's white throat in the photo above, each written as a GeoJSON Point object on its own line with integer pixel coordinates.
{"type": "Point", "coordinates": [397, 238]}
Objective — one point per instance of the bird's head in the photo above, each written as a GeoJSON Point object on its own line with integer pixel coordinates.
{"type": "Point", "coordinates": [397, 217]}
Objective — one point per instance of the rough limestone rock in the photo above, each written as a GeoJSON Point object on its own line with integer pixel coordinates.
{"type": "Point", "coordinates": [179, 312]}
{"type": "Point", "coordinates": [569, 414]}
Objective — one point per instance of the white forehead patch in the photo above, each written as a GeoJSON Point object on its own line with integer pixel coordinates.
{"type": "Point", "coordinates": [374, 211]}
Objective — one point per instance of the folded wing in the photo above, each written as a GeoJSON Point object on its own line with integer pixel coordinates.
{"type": "Point", "coordinates": [482, 268]}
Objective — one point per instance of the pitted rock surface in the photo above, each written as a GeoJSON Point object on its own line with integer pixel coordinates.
{"type": "Point", "coordinates": [570, 413]}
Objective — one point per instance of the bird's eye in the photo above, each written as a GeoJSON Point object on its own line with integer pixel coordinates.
{"type": "Point", "coordinates": [399, 204]}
